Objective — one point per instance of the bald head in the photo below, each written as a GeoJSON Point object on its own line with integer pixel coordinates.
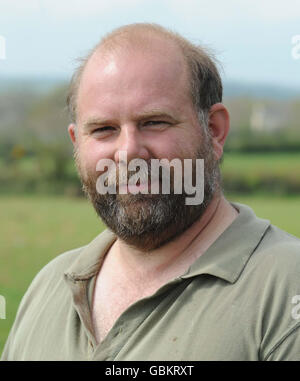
{"type": "Point", "coordinates": [197, 65]}
{"type": "Point", "coordinates": [140, 36]}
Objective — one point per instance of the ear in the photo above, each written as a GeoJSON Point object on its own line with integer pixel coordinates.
{"type": "Point", "coordinates": [72, 132]}
{"type": "Point", "coordinates": [219, 124]}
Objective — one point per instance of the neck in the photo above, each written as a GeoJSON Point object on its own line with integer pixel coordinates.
{"type": "Point", "coordinates": [179, 254]}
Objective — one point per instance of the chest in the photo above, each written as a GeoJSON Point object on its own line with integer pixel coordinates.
{"type": "Point", "coordinates": [195, 320]}
{"type": "Point", "coordinates": [111, 298]}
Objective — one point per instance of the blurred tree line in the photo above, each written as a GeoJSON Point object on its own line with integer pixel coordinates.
{"type": "Point", "coordinates": [36, 154]}
{"type": "Point", "coordinates": [263, 125]}
{"type": "Point", "coordinates": [35, 150]}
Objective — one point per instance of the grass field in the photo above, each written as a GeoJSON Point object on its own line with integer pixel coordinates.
{"type": "Point", "coordinates": [273, 162]}
{"type": "Point", "coordinates": [35, 229]}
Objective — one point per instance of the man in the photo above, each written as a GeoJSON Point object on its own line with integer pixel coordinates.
{"type": "Point", "coordinates": [166, 280]}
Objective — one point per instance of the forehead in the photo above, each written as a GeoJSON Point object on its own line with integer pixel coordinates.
{"type": "Point", "coordinates": [156, 68]}
{"type": "Point", "coordinates": [154, 49]}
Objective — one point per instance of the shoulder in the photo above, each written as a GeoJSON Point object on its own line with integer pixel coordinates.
{"type": "Point", "coordinates": [275, 262]}
{"type": "Point", "coordinates": [274, 268]}
{"type": "Point", "coordinates": [46, 293]}
{"type": "Point", "coordinates": [278, 250]}
{"type": "Point", "coordinates": [49, 281]}
{"type": "Point", "coordinates": [55, 269]}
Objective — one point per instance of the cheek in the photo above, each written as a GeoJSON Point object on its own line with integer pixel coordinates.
{"type": "Point", "coordinates": [86, 163]}
{"type": "Point", "coordinates": [91, 152]}
{"type": "Point", "coordinates": [171, 147]}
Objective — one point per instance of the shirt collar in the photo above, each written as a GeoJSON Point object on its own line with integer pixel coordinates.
{"type": "Point", "coordinates": [225, 258]}
{"type": "Point", "coordinates": [88, 262]}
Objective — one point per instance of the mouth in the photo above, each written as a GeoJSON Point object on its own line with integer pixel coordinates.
{"type": "Point", "coordinates": [136, 188]}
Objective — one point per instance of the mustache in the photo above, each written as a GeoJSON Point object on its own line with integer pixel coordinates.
{"type": "Point", "coordinates": [178, 174]}
{"type": "Point", "coordinates": [122, 175]}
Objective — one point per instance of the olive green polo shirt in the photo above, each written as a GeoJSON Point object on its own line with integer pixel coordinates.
{"type": "Point", "coordinates": [238, 301]}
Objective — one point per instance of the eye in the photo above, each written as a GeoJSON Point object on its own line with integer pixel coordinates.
{"type": "Point", "coordinates": [103, 131]}
{"type": "Point", "coordinates": [158, 123]}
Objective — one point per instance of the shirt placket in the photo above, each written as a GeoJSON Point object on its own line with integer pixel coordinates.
{"type": "Point", "coordinates": [79, 289]}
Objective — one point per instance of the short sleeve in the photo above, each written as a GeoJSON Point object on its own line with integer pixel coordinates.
{"type": "Point", "coordinates": [288, 348]}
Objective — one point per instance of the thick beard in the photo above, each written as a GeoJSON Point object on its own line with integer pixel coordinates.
{"type": "Point", "coordinates": [148, 221]}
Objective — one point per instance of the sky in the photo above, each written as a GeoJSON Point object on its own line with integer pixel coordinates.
{"type": "Point", "coordinates": [255, 41]}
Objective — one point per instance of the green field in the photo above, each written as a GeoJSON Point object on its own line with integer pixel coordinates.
{"type": "Point", "coordinates": [35, 229]}
{"type": "Point", "coordinates": [276, 162]}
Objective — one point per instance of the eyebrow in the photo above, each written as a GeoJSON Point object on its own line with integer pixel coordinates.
{"type": "Point", "coordinates": [96, 121]}
{"type": "Point", "coordinates": [153, 113]}
{"type": "Point", "coordinates": [156, 114]}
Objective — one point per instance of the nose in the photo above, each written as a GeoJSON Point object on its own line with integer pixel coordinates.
{"type": "Point", "coordinates": [132, 142]}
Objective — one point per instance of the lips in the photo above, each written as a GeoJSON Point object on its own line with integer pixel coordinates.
{"type": "Point", "coordinates": [138, 188]}
{"type": "Point", "coordinates": [133, 188]}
